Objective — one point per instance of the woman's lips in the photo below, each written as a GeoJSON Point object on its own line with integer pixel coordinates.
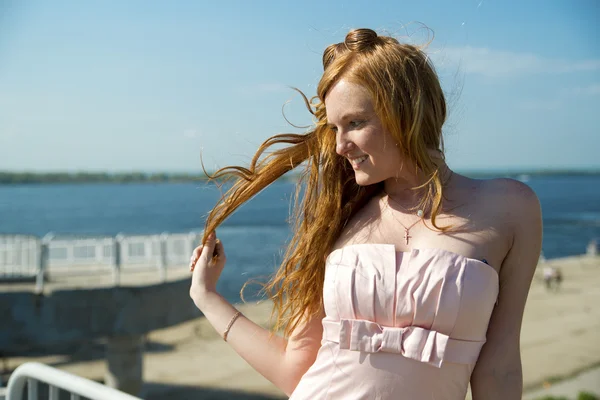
{"type": "Point", "coordinates": [357, 161]}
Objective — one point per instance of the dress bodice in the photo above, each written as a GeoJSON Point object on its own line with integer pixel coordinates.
{"type": "Point", "coordinates": [400, 323]}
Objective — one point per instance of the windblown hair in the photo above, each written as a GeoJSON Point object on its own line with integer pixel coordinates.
{"type": "Point", "coordinates": [408, 99]}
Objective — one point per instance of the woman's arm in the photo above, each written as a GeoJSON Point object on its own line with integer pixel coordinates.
{"type": "Point", "coordinates": [498, 373]}
{"type": "Point", "coordinates": [282, 361]}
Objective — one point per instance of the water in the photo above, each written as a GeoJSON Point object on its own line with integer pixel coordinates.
{"type": "Point", "coordinates": [255, 236]}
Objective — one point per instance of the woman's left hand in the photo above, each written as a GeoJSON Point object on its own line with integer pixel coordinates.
{"type": "Point", "coordinates": [207, 263]}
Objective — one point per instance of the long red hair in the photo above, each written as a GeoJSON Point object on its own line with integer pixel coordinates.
{"type": "Point", "coordinates": [408, 99]}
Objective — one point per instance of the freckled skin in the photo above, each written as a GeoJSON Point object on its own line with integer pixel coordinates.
{"type": "Point", "coordinates": [359, 131]}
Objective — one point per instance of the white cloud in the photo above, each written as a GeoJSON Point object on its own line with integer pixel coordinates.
{"type": "Point", "coordinates": [497, 63]}
{"type": "Point", "coordinates": [561, 97]}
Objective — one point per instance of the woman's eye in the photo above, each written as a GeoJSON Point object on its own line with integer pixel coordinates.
{"type": "Point", "coordinates": [355, 124]}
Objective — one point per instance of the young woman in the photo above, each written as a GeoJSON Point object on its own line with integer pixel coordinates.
{"type": "Point", "coordinates": [404, 280]}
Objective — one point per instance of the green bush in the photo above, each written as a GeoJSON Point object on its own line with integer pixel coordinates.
{"type": "Point", "coordinates": [552, 398]}
{"type": "Point", "coordinates": [580, 396]}
{"type": "Point", "coordinates": [586, 396]}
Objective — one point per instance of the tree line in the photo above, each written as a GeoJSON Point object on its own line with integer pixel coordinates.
{"type": "Point", "coordinates": [7, 178]}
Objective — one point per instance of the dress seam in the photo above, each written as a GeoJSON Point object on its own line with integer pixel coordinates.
{"type": "Point", "coordinates": [460, 291]}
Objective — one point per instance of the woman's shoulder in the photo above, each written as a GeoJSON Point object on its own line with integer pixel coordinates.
{"type": "Point", "coordinates": [506, 208]}
{"type": "Point", "coordinates": [509, 199]}
{"type": "Point", "coordinates": [509, 193]}
{"type": "Point", "coordinates": [497, 189]}
{"type": "Point", "coordinates": [505, 199]}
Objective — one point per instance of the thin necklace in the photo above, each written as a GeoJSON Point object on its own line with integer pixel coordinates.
{"type": "Point", "coordinates": [420, 214]}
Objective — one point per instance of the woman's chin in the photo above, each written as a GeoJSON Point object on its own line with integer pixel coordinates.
{"type": "Point", "coordinates": [363, 179]}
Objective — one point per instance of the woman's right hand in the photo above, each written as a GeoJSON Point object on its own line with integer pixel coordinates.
{"type": "Point", "coordinates": [207, 263]}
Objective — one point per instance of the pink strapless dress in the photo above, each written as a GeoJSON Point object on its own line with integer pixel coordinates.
{"type": "Point", "coordinates": [400, 325]}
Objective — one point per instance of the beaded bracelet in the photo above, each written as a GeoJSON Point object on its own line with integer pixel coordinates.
{"type": "Point", "coordinates": [235, 316]}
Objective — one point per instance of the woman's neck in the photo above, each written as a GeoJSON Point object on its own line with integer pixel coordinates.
{"type": "Point", "coordinates": [402, 190]}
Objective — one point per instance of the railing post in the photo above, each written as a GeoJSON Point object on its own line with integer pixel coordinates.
{"type": "Point", "coordinates": [117, 259]}
{"type": "Point", "coordinates": [32, 388]}
{"type": "Point", "coordinates": [44, 252]}
{"type": "Point", "coordinates": [162, 257]}
{"type": "Point", "coordinates": [32, 254]}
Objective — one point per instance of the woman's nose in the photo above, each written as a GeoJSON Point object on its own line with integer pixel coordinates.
{"type": "Point", "coordinates": [343, 145]}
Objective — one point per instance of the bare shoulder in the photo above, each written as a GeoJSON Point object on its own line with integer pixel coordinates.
{"type": "Point", "coordinates": [507, 187]}
{"type": "Point", "coordinates": [519, 208]}
{"type": "Point", "coordinates": [497, 198]}
{"type": "Point", "coordinates": [507, 210]}
{"type": "Point", "coordinates": [510, 196]}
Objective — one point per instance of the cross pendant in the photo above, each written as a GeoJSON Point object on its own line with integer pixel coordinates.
{"type": "Point", "coordinates": [406, 235]}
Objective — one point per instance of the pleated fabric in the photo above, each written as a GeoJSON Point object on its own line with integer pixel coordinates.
{"type": "Point", "coordinates": [400, 325]}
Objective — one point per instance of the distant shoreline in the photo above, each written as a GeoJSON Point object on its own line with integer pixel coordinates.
{"type": "Point", "coordinates": [13, 178]}
{"type": "Point", "coordinates": [21, 178]}
{"type": "Point", "coordinates": [52, 178]}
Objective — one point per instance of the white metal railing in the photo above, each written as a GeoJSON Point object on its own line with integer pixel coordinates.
{"type": "Point", "coordinates": [19, 255]}
{"type": "Point", "coordinates": [141, 249]}
{"type": "Point", "coordinates": [31, 373]}
{"type": "Point", "coordinates": [24, 256]}
{"type": "Point", "coordinates": [81, 251]}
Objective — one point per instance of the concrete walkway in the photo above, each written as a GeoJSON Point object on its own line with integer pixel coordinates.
{"type": "Point", "coordinates": [560, 330]}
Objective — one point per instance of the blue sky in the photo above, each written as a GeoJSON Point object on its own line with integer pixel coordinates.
{"type": "Point", "coordinates": [149, 85]}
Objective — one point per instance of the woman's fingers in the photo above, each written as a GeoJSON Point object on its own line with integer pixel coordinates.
{"type": "Point", "coordinates": [195, 255]}
{"type": "Point", "coordinates": [207, 267]}
{"type": "Point", "coordinates": [219, 249]}
{"type": "Point", "coordinates": [209, 247]}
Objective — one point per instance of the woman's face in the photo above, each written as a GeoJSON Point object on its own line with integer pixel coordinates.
{"type": "Point", "coordinates": [360, 136]}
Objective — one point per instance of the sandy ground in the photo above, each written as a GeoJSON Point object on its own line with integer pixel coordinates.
{"type": "Point", "coordinates": [560, 348]}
